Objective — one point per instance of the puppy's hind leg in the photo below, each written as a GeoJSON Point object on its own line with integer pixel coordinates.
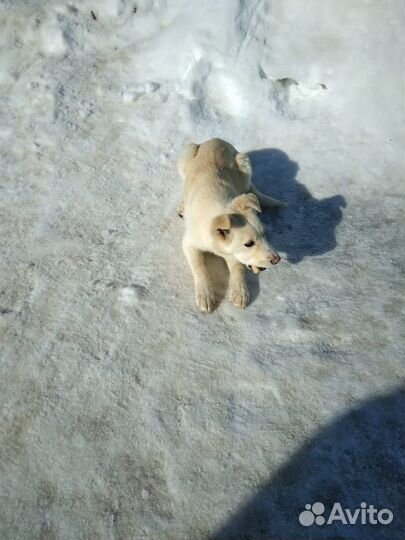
{"type": "Point", "coordinates": [180, 210]}
{"type": "Point", "coordinates": [244, 165]}
{"type": "Point", "coordinates": [187, 153]}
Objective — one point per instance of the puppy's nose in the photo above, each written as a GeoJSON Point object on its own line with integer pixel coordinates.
{"type": "Point", "coordinates": [275, 259]}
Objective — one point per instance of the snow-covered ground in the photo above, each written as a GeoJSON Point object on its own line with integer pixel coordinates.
{"type": "Point", "coordinates": [127, 414]}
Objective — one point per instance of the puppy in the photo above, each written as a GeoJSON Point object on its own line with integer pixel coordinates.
{"type": "Point", "coordinates": [220, 207]}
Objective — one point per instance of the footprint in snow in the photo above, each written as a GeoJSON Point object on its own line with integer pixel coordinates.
{"type": "Point", "coordinates": [133, 95]}
{"type": "Point", "coordinates": [132, 294]}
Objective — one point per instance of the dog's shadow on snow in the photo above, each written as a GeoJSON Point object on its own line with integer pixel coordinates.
{"type": "Point", "coordinates": [357, 458]}
{"type": "Point", "coordinates": [308, 226]}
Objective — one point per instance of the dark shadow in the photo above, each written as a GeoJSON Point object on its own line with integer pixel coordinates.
{"type": "Point", "coordinates": [358, 458]}
{"type": "Point", "coordinates": [307, 227]}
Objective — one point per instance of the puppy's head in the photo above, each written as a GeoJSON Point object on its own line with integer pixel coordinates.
{"type": "Point", "coordinates": [240, 233]}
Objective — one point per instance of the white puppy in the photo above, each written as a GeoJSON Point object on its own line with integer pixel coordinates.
{"type": "Point", "coordinates": [220, 207]}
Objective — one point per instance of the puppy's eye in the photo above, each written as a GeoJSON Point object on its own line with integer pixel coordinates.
{"type": "Point", "coordinates": [250, 243]}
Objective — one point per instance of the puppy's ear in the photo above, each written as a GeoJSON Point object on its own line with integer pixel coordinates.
{"type": "Point", "coordinates": [245, 202]}
{"type": "Point", "coordinates": [221, 225]}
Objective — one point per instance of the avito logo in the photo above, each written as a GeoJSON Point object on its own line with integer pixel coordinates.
{"type": "Point", "coordinates": [366, 514]}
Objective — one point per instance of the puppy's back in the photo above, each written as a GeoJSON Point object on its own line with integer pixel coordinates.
{"type": "Point", "coordinates": [214, 170]}
{"type": "Point", "coordinates": [218, 153]}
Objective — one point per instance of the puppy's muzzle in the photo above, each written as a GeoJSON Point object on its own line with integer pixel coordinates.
{"type": "Point", "coordinates": [259, 267]}
{"type": "Point", "coordinates": [273, 259]}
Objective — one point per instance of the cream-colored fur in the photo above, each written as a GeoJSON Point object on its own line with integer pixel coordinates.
{"type": "Point", "coordinates": [220, 207]}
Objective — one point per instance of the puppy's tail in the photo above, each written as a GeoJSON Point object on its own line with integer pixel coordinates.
{"type": "Point", "coordinates": [188, 152]}
{"type": "Point", "coordinates": [266, 201]}
{"type": "Point", "coordinates": [245, 167]}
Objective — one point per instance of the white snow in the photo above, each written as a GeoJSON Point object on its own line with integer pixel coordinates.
{"type": "Point", "coordinates": [126, 412]}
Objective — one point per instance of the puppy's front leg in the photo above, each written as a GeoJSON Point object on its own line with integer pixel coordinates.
{"type": "Point", "coordinates": [204, 295]}
{"type": "Point", "coordinates": [238, 290]}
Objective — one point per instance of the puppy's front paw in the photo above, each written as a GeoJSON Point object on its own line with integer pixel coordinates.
{"type": "Point", "coordinates": [239, 295]}
{"type": "Point", "coordinates": [204, 298]}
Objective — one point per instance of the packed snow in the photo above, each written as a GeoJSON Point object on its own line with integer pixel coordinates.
{"type": "Point", "coordinates": [127, 413]}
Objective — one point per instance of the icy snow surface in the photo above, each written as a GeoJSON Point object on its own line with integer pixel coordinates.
{"type": "Point", "coordinates": [127, 414]}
